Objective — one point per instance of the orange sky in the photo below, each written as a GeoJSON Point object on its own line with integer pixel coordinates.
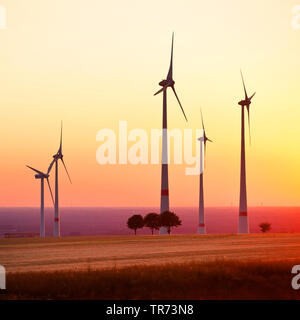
{"type": "Point", "coordinates": [92, 63]}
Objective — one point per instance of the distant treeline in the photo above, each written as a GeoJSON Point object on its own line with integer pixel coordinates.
{"type": "Point", "coordinates": [154, 221]}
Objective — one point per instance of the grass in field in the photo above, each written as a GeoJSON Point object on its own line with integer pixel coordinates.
{"type": "Point", "coordinates": [220, 279]}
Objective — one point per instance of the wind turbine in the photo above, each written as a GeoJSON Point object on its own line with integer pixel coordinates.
{"type": "Point", "coordinates": [167, 83]}
{"type": "Point", "coordinates": [203, 140]}
{"type": "Point", "coordinates": [58, 156]}
{"type": "Point", "coordinates": [243, 210]}
{"type": "Point", "coordinates": [40, 175]}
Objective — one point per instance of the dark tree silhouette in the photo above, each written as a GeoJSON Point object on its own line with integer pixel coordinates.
{"type": "Point", "coordinates": [135, 222]}
{"type": "Point", "coordinates": [169, 220]}
{"type": "Point", "coordinates": [152, 221]}
{"type": "Point", "coordinates": [265, 226]}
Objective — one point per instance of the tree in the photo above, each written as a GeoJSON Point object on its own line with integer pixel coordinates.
{"type": "Point", "coordinates": [152, 221]}
{"type": "Point", "coordinates": [169, 220]}
{"type": "Point", "coordinates": [135, 222]}
{"type": "Point", "coordinates": [265, 226]}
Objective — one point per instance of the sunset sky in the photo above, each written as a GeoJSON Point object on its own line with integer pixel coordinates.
{"type": "Point", "coordinates": [93, 63]}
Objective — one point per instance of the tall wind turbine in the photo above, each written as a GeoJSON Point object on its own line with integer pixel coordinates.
{"type": "Point", "coordinates": [58, 156]}
{"type": "Point", "coordinates": [243, 210]}
{"type": "Point", "coordinates": [40, 175]}
{"type": "Point", "coordinates": [203, 140]}
{"type": "Point", "coordinates": [168, 83]}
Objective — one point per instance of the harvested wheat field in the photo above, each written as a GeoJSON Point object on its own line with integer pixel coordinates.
{"type": "Point", "coordinates": [128, 267]}
{"type": "Point", "coordinates": [50, 254]}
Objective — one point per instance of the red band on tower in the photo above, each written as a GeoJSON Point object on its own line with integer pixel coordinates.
{"type": "Point", "coordinates": [164, 192]}
{"type": "Point", "coordinates": [201, 225]}
{"type": "Point", "coordinates": [243, 214]}
{"type": "Point", "coordinates": [56, 219]}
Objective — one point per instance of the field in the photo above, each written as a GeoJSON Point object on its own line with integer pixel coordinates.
{"type": "Point", "coordinates": [143, 267]}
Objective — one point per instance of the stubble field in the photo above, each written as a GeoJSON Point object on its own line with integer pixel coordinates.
{"type": "Point", "coordinates": [185, 266]}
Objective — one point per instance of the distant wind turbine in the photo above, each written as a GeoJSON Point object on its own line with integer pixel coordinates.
{"type": "Point", "coordinates": [203, 140]}
{"type": "Point", "coordinates": [169, 82]}
{"type": "Point", "coordinates": [58, 156]}
{"type": "Point", "coordinates": [40, 175]}
{"type": "Point", "coordinates": [243, 210]}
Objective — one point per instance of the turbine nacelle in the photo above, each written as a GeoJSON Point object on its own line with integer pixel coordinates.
{"type": "Point", "coordinates": [167, 83]}
{"type": "Point", "coordinates": [41, 176]}
{"type": "Point", "coordinates": [245, 103]}
{"type": "Point", "coordinates": [204, 139]}
{"type": "Point", "coordinates": [58, 156]}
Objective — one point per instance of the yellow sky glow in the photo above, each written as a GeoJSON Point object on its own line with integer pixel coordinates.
{"type": "Point", "coordinates": [92, 63]}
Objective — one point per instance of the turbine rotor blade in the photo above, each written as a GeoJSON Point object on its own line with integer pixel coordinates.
{"type": "Point", "coordinates": [170, 73]}
{"type": "Point", "coordinates": [246, 96]}
{"type": "Point", "coordinates": [61, 137]}
{"type": "Point", "coordinates": [179, 103]}
{"type": "Point", "coordinates": [252, 96]}
{"type": "Point", "coordinates": [248, 111]}
{"type": "Point", "coordinates": [62, 160]}
{"type": "Point", "coordinates": [205, 140]}
{"type": "Point", "coordinates": [160, 90]}
{"type": "Point", "coordinates": [204, 153]}
{"type": "Point", "coordinates": [50, 190]}
{"type": "Point", "coordinates": [35, 170]}
{"type": "Point", "coordinates": [202, 120]}
{"type": "Point", "coordinates": [50, 166]}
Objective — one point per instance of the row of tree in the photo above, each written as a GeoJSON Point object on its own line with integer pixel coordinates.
{"type": "Point", "coordinates": [167, 219]}
{"type": "Point", "coordinates": [154, 221]}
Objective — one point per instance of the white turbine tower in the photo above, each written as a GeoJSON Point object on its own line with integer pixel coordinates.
{"type": "Point", "coordinates": [58, 156]}
{"type": "Point", "coordinates": [42, 176]}
{"type": "Point", "coordinates": [243, 208]}
{"type": "Point", "coordinates": [203, 140]}
{"type": "Point", "coordinates": [169, 82]}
